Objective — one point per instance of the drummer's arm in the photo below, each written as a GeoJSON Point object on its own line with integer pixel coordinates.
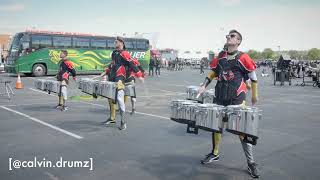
{"type": "Point", "coordinates": [254, 86]}
{"type": "Point", "coordinates": [209, 78]}
{"type": "Point", "coordinates": [249, 68]}
{"type": "Point", "coordinates": [212, 74]}
{"type": "Point", "coordinates": [106, 72]}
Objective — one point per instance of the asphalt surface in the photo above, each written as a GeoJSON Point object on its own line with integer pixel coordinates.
{"type": "Point", "coordinates": [153, 146]}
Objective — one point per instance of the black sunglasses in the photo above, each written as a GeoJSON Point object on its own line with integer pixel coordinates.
{"type": "Point", "coordinates": [230, 35]}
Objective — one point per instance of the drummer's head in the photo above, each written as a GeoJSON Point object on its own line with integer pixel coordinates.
{"type": "Point", "coordinates": [119, 43]}
{"type": "Point", "coordinates": [63, 54]}
{"type": "Point", "coordinates": [234, 38]}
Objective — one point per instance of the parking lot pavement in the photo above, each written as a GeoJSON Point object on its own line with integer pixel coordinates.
{"type": "Point", "coordinates": [153, 146]}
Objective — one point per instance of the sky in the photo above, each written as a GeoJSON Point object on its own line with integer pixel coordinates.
{"type": "Point", "coordinates": [183, 25]}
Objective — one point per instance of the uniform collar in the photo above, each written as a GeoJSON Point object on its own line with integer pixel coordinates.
{"type": "Point", "coordinates": [232, 53]}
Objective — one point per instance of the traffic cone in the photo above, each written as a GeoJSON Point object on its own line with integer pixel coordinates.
{"type": "Point", "coordinates": [19, 83]}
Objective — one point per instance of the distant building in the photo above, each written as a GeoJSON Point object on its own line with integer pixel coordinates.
{"type": "Point", "coordinates": [169, 54]}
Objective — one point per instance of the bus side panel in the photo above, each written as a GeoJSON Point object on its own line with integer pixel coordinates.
{"type": "Point", "coordinates": [25, 63]}
{"type": "Point", "coordinates": [143, 57]}
{"type": "Point", "coordinates": [89, 61]}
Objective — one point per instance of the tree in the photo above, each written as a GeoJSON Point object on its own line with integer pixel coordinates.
{"type": "Point", "coordinates": [255, 55]}
{"type": "Point", "coordinates": [313, 54]}
{"type": "Point", "coordinates": [267, 54]}
{"type": "Point", "coordinates": [294, 54]}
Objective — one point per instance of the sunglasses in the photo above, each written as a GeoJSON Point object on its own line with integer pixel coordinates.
{"type": "Point", "coordinates": [230, 35]}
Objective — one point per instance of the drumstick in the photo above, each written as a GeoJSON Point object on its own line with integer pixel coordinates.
{"type": "Point", "coordinates": [198, 95]}
{"type": "Point", "coordinates": [95, 77]}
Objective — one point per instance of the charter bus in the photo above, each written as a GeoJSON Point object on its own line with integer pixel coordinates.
{"type": "Point", "coordinates": [37, 53]}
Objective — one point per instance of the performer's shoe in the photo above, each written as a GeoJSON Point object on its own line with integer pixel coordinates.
{"type": "Point", "coordinates": [58, 106]}
{"type": "Point", "coordinates": [109, 121]}
{"type": "Point", "coordinates": [123, 126]}
{"type": "Point", "coordinates": [64, 108]}
{"type": "Point", "coordinates": [253, 171]}
{"type": "Point", "coordinates": [133, 112]}
{"type": "Point", "coordinates": [210, 158]}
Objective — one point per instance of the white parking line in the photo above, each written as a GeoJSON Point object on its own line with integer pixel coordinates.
{"type": "Point", "coordinates": [162, 117]}
{"type": "Point", "coordinates": [13, 105]}
{"type": "Point", "coordinates": [153, 115]}
{"type": "Point", "coordinates": [43, 123]}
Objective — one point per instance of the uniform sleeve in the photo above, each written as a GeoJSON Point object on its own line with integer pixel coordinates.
{"type": "Point", "coordinates": [126, 56]}
{"type": "Point", "coordinates": [214, 64]}
{"type": "Point", "coordinates": [247, 63]}
{"type": "Point", "coordinates": [70, 68]}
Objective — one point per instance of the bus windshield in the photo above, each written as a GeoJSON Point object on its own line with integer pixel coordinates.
{"type": "Point", "coordinates": [14, 48]}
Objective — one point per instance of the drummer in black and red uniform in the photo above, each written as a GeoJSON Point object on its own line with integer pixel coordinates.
{"type": "Point", "coordinates": [122, 61]}
{"type": "Point", "coordinates": [65, 68]}
{"type": "Point", "coordinates": [231, 69]}
{"type": "Point", "coordinates": [131, 75]}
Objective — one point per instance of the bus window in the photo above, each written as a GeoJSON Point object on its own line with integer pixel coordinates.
{"type": "Point", "coordinates": [40, 41]}
{"type": "Point", "coordinates": [81, 42]}
{"type": "Point", "coordinates": [25, 44]}
{"type": "Point", "coordinates": [142, 45]}
{"type": "Point", "coordinates": [110, 43]}
{"type": "Point", "coordinates": [61, 41]}
{"type": "Point", "coordinates": [98, 43]}
{"type": "Point", "coordinates": [129, 44]}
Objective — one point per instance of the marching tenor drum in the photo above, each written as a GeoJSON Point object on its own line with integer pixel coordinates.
{"type": "Point", "coordinates": [52, 86]}
{"type": "Point", "coordinates": [40, 84]}
{"type": "Point", "coordinates": [130, 90]}
{"type": "Point", "coordinates": [209, 117]}
{"type": "Point", "coordinates": [209, 96]}
{"type": "Point", "coordinates": [186, 111]}
{"type": "Point", "coordinates": [192, 92]}
{"type": "Point", "coordinates": [82, 81]}
{"type": "Point", "coordinates": [107, 89]}
{"type": "Point", "coordinates": [90, 87]}
{"type": "Point", "coordinates": [183, 111]}
{"type": "Point", "coordinates": [244, 121]}
{"type": "Point", "coordinates": [178, 108]}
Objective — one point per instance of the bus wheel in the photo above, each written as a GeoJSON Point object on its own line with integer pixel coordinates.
{"type": "Point", "coordinates": [39, 70]}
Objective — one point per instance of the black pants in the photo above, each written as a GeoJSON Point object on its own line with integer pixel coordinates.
{"type": "Point", "coordinates": [158, 71]}
{"type": "Point", "coordinates": [201, 70]}
{"type": "Point", "coordinates": [151, 70]}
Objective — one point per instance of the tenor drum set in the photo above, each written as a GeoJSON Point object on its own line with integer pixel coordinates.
{"type": "Point", "coordinates": [93, 87]}
{"type": "Point", "coordinates": [105, 89]}
{"type": "Point", "coordinates": [202, 113]}
{"type": "Point", "coordinates": [47, 85]}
